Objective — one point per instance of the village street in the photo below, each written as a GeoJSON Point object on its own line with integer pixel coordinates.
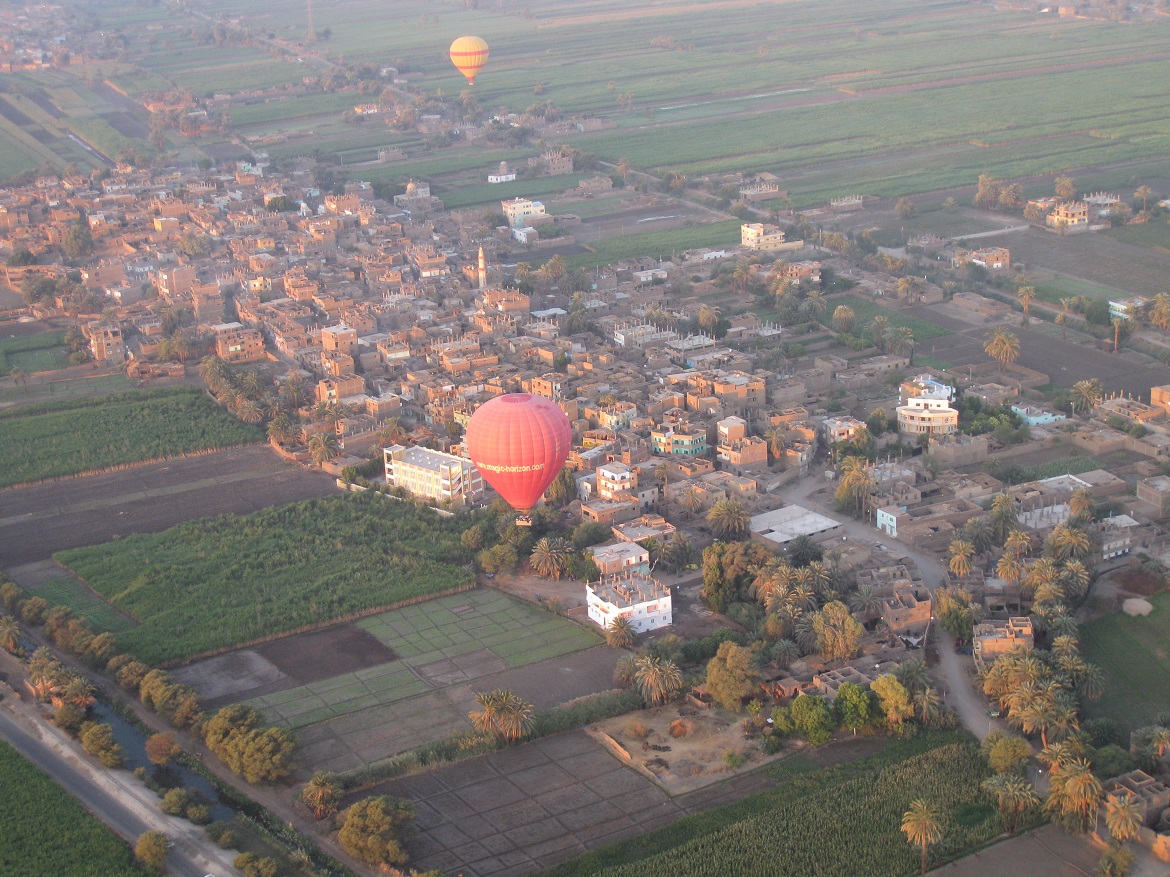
{"type": "Point", "coordinates": [954, 673]}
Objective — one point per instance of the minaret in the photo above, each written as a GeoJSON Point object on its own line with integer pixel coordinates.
{"type": "Point", "coordinates": [482, 271]}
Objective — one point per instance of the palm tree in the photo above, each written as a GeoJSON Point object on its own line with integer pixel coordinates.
{"type": "Point", "coordinates": [19, 378]}
{"type": "Point", "coordinates": [623, 168]}
{"type": "Point", "coordinates": [1003, 517]}
{"type": "Point", "coordinates": [1145, 193]}
{"type": "Point", "coordinates": [662, 473]}
{"type": "Point", "coordinates": [1075, 794]}
{"type": "Point", "coordinates": [922, 826]}
{"type": "Point", "coordinates": [1160, 311]}
{"type": "Point", "coordinates": [1014, 795]}
{"type": "Point", "coordinates": [9, 634]}
{"type": "Point", "coordinates": [856, 482]}
{"type": "Point", "coordinates": [620, 633]}
{"type": "Point", "coordinates": [843, 317]}
{"type": "Point", "coordinates": [961, 554]}
{"type": "Point", "coordinates": [293, 389]}
{"type": "Point", "coordinates": [251, 383]}
{"type": "Point", "coordinates": [1024, 295]}
{"type": "Point", "coordinates": [1081, 503]}
{"type": "Point", "coordinates": [1124, 815]}
{"type": "Point", "coordinates": [1018, 542]}
{"type": "Point", "coordinates": [691, 500]}
{"type": "Point", "coordinates": [248, 411]}
{"type": "Point", "coordinates": [1066, 188]}
{"type": "Point", "coordinates": [322, 794]}
{"type": "Point", "coordinates": [928, 704]}
{"type": "Point", "coordinates": [550, 557]}
{"type": "Point", "coordinates": [502, 714]}
{"type": "Point", "coordinates": [865, 601]}
{"type": "Point", "coordinates": [729, 520]}
{"type": "Point", "coordinates": [1086, 395]}
{"type": "Point", "coordinates": [323, 447]}
{"type": "Point", "coordinates": [1118, 322]}
{"type": "Point", "coordinates": [901, 340]}
{"type": "Point", "coordinates": [814, 305]}
{"type": "Point", "coordinates": [212, 368]}
{"type": "Point", "coordinates": [1009, 568]}
{"type": "Point", "coordinates": [877, 331]}
{"type": "Point", "coordinates": [1067, 542]}
{"type": "Point", "coordinates": [281, 430]}
{"type": "Point", "coordinates": [658, 681]}
{"type": "Point", "coordinates": [775, 439]}
{"type": "Point", "coordinates": [1003, 347]}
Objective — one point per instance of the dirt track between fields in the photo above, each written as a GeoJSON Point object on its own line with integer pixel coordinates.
{"type": "Point", "coordinates": [38, 520]}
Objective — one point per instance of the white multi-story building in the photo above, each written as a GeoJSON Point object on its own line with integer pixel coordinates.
{"type": "Point", "coordinates": [433, 475]}
{"type": "Point", "coordinates": [637, 597]}
{"type": "Point", "coordinates": [926, 408]}
{"type": "Point", "coordinates": [616, 481]}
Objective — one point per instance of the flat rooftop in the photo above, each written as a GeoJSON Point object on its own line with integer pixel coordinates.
{"type": "Point", "coordinates": [628, 590]}
{"type": "Point", "coordinates": [784, 525]}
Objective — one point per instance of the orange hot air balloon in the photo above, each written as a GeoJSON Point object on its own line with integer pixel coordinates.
{"type": "Point", "coordinates": [519, 442]}
{"type": "Point", "coordinates": [469, 54]}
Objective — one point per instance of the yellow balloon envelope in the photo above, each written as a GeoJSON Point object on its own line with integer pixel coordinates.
{"type": "Point", "coordinates": [469, 54]}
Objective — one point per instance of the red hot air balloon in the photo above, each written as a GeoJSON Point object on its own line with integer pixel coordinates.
{"type": "Point", "coordinates": [519, 442]}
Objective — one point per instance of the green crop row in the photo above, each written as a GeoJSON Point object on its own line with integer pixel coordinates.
{"type": "Point", "coordinates": [53, 439]}
{"type": "Point", "coordinates": [220, 581]}
{"type": "Point", "coordinates": [45, 830]}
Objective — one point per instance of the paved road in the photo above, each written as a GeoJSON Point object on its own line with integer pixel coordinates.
{"type": "Point", "coordinates": [114, 797]}
{"type": "Point", "coordinates": [954, 672]}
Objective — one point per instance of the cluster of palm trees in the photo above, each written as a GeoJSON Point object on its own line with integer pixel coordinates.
{"type": "Point", "coordinates": [1058, 576]}
{"type": "Point", "coordinates": [503, 715]}
{"type": "Point", "coordinates": [550, 557]}
{"type": "Point", "coordinates": [52, 681]}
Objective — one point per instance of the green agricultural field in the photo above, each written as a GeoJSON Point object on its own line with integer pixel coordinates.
{"type": "Point", "coordinates": [1135, 655]}
{"type": "Point", "coordinates": [490, 195]}
{"type": "Point", "coordinates": [1068, 287]}
{"type": "Point", "coordinates": [1155, 235]}
{"type": "Point", "coordinates": [658, 244]}
{"type": "Point", "coordinates": [864, 310]}
{"type": "Point", "coordinates": [32, 352]}
{"type": "Point", "coordinates": [45, 830]}
{"type": "Point", "coordinates": [52, 439]}
{"type": "Point", "coordinates": [840, 820]}
{"type": "Point", "coordinates": [436, 630]}
{"type": "Point", "coordinates": [84, 603]}
{"type": "Point", "coordinates": [221, 581]}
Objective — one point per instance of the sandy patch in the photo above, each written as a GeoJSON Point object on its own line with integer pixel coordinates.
{"type": "Point", "coordinates": [1137, 606]}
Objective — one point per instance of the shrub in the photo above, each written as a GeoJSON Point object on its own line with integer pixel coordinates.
{"type": "Point", "coordinates": [98, 740]}
{"type": "Point", "coordinates": [33, 610]}
{"type": "Point", "coordinates": [176, 801]}
{"type": "Point", "coordinates": [69, 718]}
{"type": "Point", "coordinates": [636, 729]}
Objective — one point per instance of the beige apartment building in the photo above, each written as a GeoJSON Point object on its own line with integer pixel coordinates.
{"type": "Point", "coordinates": [433, 475]}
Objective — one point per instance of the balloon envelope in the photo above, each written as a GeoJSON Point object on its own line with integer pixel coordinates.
{"type": "Point", "coordinates": [469, 54]}
{"type": "Point", "coordinates": [519, 442]}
